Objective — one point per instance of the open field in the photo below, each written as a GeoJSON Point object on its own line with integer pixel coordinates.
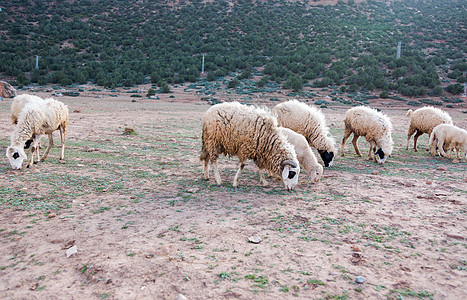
{"type": "Point", "coordinates": [146, 226]}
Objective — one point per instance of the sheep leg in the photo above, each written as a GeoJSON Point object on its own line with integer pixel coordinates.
{"type": "Point", "coordinates": [347, 133]}
{"type": "Point", "coordinates": [36, 147]}
{"type": "Point", "coordinates": [240, 168]}
{"type": "Point", "coordinates": [355, 144]}
{"type": "Point", "coordinates": [433, 146]}
{"type": "Point", "coordinates": [409, 135]}
{"type": "Point", "coordinates": [62, 140]}
{"type": "Point", "coordinates": [415, 138]}
{"type": "Point", "coordinates": [262, 179]}
{"type": "Point", "coordinates": [51, 143]}
{"type": "Point", "coordinates": [31, 160]}
{"type": "Point", "coordinates": [206, 169]}
{"type": "Point", "coordinates": [441, 147]}
{"type": "Point", "coordinates": [372, 151]}
{"type": "Point", "coordinates": [216, 172]}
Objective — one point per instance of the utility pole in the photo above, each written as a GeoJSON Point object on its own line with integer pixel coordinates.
{"type": "Point", "coordinates": [37, 61]}
{"type": "Point", "coordinates": [398, 55]}
{"type": "Point", "coordinates": [202, 65]}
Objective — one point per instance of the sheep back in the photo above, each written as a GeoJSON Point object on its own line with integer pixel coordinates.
{"type": "Point", "coordinates": [19, 102]}
{"type": "Point", "coordinates": [426, 118]}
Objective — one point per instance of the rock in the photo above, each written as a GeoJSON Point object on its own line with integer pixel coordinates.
{"type": "Point", "coordinates": [374, 172]}
{"type": "Point", "coordinates": [355, 248]}
{"type": "Point", "coordinates": [455, 236]}
{"type": "Point", "coordinates": [181, 297]}
{"type": "Point", "coordinates": [359, 279]}
{"type": "Point", "coordinates": [52, 215]}
{"type": "Point", "coordinates": [193, 190]}
{"type": "Point", "coordinates": [71, 251]}
{"type": "Point", "coordinates": [455, 161]}
{"type": "Point", "coordinates": [77, 111]}
{"type": "Point", "coordinates": [254, 239]}
{"type": "Point", "coordinates": [442, 168]}
{"type": "Point", "coordinates": [429, 182]}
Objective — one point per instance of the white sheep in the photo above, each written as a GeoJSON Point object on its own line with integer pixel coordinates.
{"type": "Point", "coordinates": [310, 122]}
{"type": "Point", "coordinates": [305, 155]}
{"type": "Point", "coordinates": [375, 126]}
{"type": "Point", "coordinates": [37, 118]}
{"type": "Point", "coordinates": [423, 120]}
{"type": "Point", "coordinates": [446, 137]}
{"type": "Point", "coordinates": [16, 106]}
{"type": "Point", "coordinates": [247, 132]}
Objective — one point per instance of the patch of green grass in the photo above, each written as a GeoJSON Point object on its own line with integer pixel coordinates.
{"type": "Point", "coordinates": [399, 294]}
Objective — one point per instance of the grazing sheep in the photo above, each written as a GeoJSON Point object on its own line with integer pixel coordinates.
{"type": "Point", "coordinates": [310, 122]}
{"type": "Point", "coordinates": [37, 118]}
{"type": "Point", "coordinates": [448, 137]}
{"type": "Point", "coordinates": [423, 120]}
{"type": "Point", "coordinates": [376, 127]}
{"type": "Point", "coordinates": [16, 106]}
{"type": "Point", "coordinates": [305, 155]}
{"type": "Point", "coordinates": [248, 132]}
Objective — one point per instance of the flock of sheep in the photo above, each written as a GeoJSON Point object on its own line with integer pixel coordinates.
{"type": "Point", "coordinates": [278, 140]}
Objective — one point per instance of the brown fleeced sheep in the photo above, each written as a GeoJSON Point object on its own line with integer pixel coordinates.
{"type": "Point", "coordinates": [247, 132]}
{"type": "Point", "coordinates": [35, 119]}
{"type": "Point", "coordinates": [310, 122]}
{"type": "Point", "coordinates": [423, 120]}
{"type": "Point", "coordinates": [375, 126]}
{"type": "Point", "coordinates": [448, 137]}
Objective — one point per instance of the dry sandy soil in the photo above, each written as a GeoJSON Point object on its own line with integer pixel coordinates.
{"type": "Point", "coordinates": [146, 226]}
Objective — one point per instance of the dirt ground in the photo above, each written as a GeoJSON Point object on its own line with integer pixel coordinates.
{"type": "Point", "coordinates": [146, 226]}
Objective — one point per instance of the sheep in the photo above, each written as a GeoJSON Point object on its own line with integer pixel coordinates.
{"type": "Point", "coordinates": [305, 155]}
{"type": "Point", "coordinates": [247, 132]}
{"type": "Point", "coordinates": [311, 123]}
{"type": "Point", "coordinates": [446, 137]}
{"type": "Point", "coordinates": [16, 106]}
{"type": "Point", "coordinates": [423, 120]}
{"type": "Point", "coordinates": [37, 118]}
{"type": "Point", "coordinates": [375, 126]}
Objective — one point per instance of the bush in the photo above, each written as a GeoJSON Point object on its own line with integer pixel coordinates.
{"type": "Point", "coordinates": [455, 89]}
{"type": "Point", "coordinates": [384, 94]}
{"type": "Point", "coordinates": [233, 83]}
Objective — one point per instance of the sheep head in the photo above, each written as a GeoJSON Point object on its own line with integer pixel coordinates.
{"type": "Point", "coordinates": [290, 172]}
{"type": "Point", "coordinates": [316, 173]}
{"type": "Point", "coordinates": [16, 155]}
{"type": "Point", "coordinates": [327, 157]}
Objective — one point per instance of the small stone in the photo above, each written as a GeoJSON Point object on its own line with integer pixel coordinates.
{"type": "Point", "coordinates": [254, 239]}
{"type": "Point", "coordinates": [196, 137]}
{"type": "Point", "coordinates": [181, 297]}
{"type": "Point", "coordinates": [455, 161]}
{"type": "Point", "coordinates": [77, 111]}
{"type": "Point", "coordinates": [359, 279]}
{"type": "Point", "coordinates": [429, 182]}
{"type": "Point", "coordinates": [52, 215]}
{"type": "Point", "coordinates": [355, 248]}
{"type": "Point", "coordinates": [443, 168]}
{"type": "Point", "coordinates": [193, 190]}
{"type": "Point", "coordinates": [71, 251]}
{"type": "Point", "coordinates": [374, 172]}
{"type": "Point", "coordinates": [109, 281]}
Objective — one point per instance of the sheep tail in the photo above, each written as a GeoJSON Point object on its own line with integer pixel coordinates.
{"type": "Point", "coordinates": [409, 113]}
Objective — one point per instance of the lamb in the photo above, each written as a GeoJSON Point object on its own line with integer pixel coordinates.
{"type": "Point", "coordinates": [423, 120]}
{"type": "Point", "coordinates": [311, 123]}
{"type": "Point", "coordinates": [247, 132]}
{"type": "Point", "coordinates": [305, 155]}
{"type": "Point", "coordinates": [375, 126]}
{"type": "Point", "coordinates": [37, 118]}
{"type": "Point", "coordinates": [448, 137]}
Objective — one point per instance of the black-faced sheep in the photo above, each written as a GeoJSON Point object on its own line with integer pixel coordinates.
{"type": "Point", "coordinates": [423, 120]}
{"type": "Point", "coordinates": [247, 132]}
{"type": "Point", "coordinates": [310, 122]}
{"type": "Point", "coordinates": [448, 137]}
{"type": "Point", "coordinates": [374, 126]}
{"type": "Point", "coordinates": [35, 119]}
